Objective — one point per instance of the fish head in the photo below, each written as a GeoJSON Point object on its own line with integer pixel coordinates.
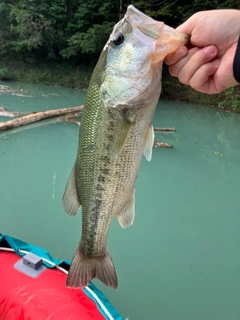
{"type": "Point", "coordinates": [133, 58]}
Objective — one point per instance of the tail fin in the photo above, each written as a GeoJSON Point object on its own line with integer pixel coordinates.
{"type": "Point", "coordinates": [84, 269]}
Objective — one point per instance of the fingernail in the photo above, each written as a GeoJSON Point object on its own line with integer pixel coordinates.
{"type": "Point", "coordinates": [211, 50]}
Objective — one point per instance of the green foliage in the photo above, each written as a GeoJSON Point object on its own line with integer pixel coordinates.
{"type": "Point", "coordinates": [4, 74]}
{"type": "Point", "coordinates": [89, 27]}
{"type": "Point", "coordinates": [34, 26]}
{"type": "Point", "coordinates": [55, 29]}
{"type": "Point", "coordinates": [174, 12]}
{"type": "Point", "coordinates": [62, 73]}
{"type": "Point", "coordinates": [157, 9]}
{"type": "Point", "coordinates": [232, 100]}
{"type": "Point", "coordinates": [199, 5]}
{"type": "Point", "coordinates": [89, 42]}
{"type": "Point", "coordinates": [34, 32]}
{"type": "Point", "coordinates": [76, 29]}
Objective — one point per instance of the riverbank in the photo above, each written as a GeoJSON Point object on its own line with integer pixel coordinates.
{"type": "Point", "coordinates": [227, 100]}
{"type": "Point", "coordinates": [78, 76]}
{"type": "Point", "coordinates": [48, 73]}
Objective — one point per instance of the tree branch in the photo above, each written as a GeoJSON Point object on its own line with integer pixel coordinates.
{"type": "Point", "coordinates": [158, 144]}
{"type": "Point", "coordinates": [165, 129]}
{"type": "Point", "coordinates": [5, 113]}
{"type": "Point", "coordinates": [33, 117]}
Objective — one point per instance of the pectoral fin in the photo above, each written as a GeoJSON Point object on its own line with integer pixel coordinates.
{"type": "Point", "coordinates": [120, 137]}
{"type": "Point", "coordinates": [149, 140]}
{"type": "Point", "coordinates": [126, 216]}
{"type": "Point", "coordinates": [71, 202]}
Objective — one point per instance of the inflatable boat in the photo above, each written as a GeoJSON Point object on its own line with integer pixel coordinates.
{"type": "Point", "coordinates": [32, 287]}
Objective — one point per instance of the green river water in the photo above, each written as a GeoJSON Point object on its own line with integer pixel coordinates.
{"type": "Point", "coordinates": [180, 260]}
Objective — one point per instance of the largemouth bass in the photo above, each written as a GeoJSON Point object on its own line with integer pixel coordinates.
{"type": "Point", "coordinates": [115, 131]}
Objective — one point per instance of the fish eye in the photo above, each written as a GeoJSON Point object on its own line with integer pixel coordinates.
{"type": "Point", "coordinates": [118, 39]}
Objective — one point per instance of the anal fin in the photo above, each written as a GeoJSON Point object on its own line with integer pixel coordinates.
{"type": "Point", "coordinates": [71, 202]}
{"type": "Point", "coordinates": [127, 214]}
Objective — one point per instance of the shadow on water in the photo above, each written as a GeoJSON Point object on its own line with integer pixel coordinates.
{"type": "Point", "coordinates": [180, 259]}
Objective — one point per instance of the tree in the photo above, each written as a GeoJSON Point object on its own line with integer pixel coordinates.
{"type": "Point", "coordinates": [90, 26]}
{"type": "Point", "coordinates": [78, 29]}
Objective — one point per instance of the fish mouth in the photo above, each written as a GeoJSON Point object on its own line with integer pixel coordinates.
{"type": "Point", "coordinates": [160, 38]}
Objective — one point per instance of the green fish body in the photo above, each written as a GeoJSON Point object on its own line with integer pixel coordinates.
{"type": "Point", "coordinates": [115, 131]}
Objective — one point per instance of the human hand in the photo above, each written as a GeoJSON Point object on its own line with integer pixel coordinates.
{"type": "Point", "coordinates": [208, 65]}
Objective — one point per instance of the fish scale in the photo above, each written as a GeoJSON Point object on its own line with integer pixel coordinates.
{"type": "Point", "coordinates": [101, 194]}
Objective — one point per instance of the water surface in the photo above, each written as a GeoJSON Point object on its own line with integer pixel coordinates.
{"type": "Point", "coordinates": [181, 258]}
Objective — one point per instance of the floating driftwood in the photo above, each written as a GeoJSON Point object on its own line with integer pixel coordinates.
{"type": "Point", "coordinates": [69, 117]}
{"type": "Point", "coordinates": [165, 129]}
{"type": "Point", "coordinates": [5, 113]}
{"type": "Point", "coordinates": [44, 123]}
{"type": "Point", "coordinates": [33, 117]}
{"type": "Point", "coordinates": [158, 144]}
{"type": "Point", "coordinates": [59, 115]}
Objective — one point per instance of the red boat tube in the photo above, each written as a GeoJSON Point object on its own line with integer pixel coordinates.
{"type": "Point", "coordinates": [45, 297]}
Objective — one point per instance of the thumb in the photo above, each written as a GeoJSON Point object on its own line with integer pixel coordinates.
{"type": "Point", "coordinates": [188, 26]}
